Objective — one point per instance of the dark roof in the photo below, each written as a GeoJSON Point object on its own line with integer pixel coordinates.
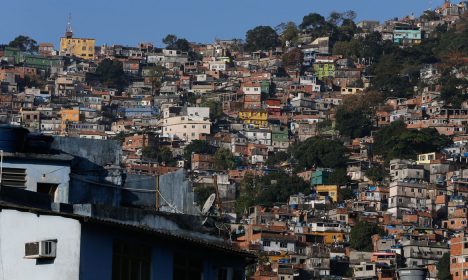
{"type": "Point", "coordinates": [213, 245]}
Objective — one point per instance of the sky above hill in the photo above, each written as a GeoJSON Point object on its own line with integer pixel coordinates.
{"type": "Point", "coordinates": [130, 22]}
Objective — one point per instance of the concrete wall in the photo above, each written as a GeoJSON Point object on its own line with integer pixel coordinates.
{"type": "Point", "coordinates": [177, 190]}
{"type": "Point", "coordinates": [93, 181]}
{"type": "Point", "coordinates": [91, 152]}
{"type": "Point", "coordinates": [44, 172]}
{"type": "Point", "coordinates": [18, 228]}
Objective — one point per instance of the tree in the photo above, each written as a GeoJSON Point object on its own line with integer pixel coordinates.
{"type": "Point", "coordinates": [110, 73]}
{"type": "Point", "coordinates": [24, 43]}
{"type": "Point", "coordinates": [346, 194]}
{"type": "Point", "coordinates": [198, 147]}
{"type": "Point", "coordinates": [397, 141]}
{"type": "Point", "coordinates": [289, 33]}
{"type": "Point", "coordinates": [429, 15]}
{"type": "Point", "coordinates": [453, 90]}
{"type": "Point", "coordinates": [353, 123]}
{"type": "Point", "coordinates": [170, 40]}
{"type": "Point", "coordinates": [353, 118]}
{"type": "Point", "coordinates": [261, 38]}
{"type": "Point", "coordinates": [224, 159]}
{"type": "Point", "coordinates": [182, 45]}
{"type": "Point", "coordinates": [216, 109]}
{"type": "Point", "coordinates": [269, 189]}
{"type": "Point", "coordinates": [159, 154]}
{"type": "Point", "coordinates": [361, 236]}
{"type": "Point", "coordinates": [249, 190]}
{"type": "Point", "coordinates": [202, 194]}
{"type": "Point", "coordinates": [293, 58]}
{"type": "Point", "coordinates": [320, 152]}
{"type": "Point", "coordinates": [339, 176]}
{"type": "Point", "coordinates": [277, 158]}
{"type": "Point", "coordinates": [155, 76]}
{"type": "Point", "coordinates": [312, 21]}
{"type": "Point", "coordinates": [376, 173]}
{"type": "Point", "coordinates": [443, 267]}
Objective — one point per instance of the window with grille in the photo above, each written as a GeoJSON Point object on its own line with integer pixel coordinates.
{"type": "Point", "coordinates": [130, 261]}
{"type": "Point", "coordinates": [187, 267]}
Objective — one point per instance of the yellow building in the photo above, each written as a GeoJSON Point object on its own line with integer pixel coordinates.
{"type": "Point", "coordinates": [69, 115]}
{"type": "Point", "coordinates": [330, 237]}
{"type": "Point", "coordinates": [79, 47]}
{"type": "Point", "coordinates": [256, 118]}
{"type": "Point", "coordinates": [427, 158]}
{"type": "Point", "coordinates": [328, 190]}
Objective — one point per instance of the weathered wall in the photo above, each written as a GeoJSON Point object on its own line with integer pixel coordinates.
{"type": "Point", "coordinates": [18, 228]}
{"type": "Point", "coordinates": [44, 172]}
{"type": "Point", "coordinates": [177, 190]}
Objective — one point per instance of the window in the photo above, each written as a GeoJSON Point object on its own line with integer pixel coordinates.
{"type": "Point", "coordinates": [187, 267]}
{"type": "Point", "coordinates": [283, 245]}
{"type": "Point", "coordinates": [369, 267]}
{"type": "Point", "coordinates": [222, 274]}
{"type": "Point", "coordinates": [130, 261]}
{"type": "Point", "coordinates": [48, 189]}
{"type": "Point", "coordinates": [266, 243]}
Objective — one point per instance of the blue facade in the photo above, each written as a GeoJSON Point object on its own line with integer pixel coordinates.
{"type": "Point", "coordinates": [97, 244]}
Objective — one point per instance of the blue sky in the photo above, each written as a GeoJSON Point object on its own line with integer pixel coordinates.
{"type": "Point", "coordinates": [130, 22]}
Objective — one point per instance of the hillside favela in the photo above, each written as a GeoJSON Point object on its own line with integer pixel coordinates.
{"type": "Point", "coordinates": [330, 146]}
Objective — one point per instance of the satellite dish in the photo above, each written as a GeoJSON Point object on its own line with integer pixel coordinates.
{"type": "Point", "coordinates": [208, 204]}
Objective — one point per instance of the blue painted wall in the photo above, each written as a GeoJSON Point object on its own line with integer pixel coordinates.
{"type": "Point", "coordinates": [97, 245]}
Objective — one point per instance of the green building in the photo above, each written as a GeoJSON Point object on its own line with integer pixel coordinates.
{"type": "Point", "coordinates": [324, 70]}
{"type": "Point", "coordinates": [320, 176]}
{"type": "Point", "coordinates": [33, 60]}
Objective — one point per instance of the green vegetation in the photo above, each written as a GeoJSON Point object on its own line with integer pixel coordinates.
{"type": "Point", "coordinates": [443, 267]}
{"type": "Point", "coordinates": [320, 152]}
{"type": "Point", "coordinates": [261, 38]}
{"type": "Point", "coordinates": [198, 147]}
{"type": "Point", "coordinates": [277, 158]}
{"type": "Point", "coordinates": [354, 117]}
{"type": "Point", "coordinates": [24, 43]}
{"type": "Point", "coordinates": [289, 33]}
{"type": "Point", "coordinates": [376, 173]}
{"type": "Point", "coordinates": [268, 190]}
{"type": "Point", "coordinates": [155, 75]}
{"type": "Point", "coordinates": [111, 74]}
{"type": "Point", "coordinates": [173, 43]}
{"type": "Point", "coordinates": [202, 194]}
{"type": "Point", "coordinates": [339, 177]}
{"type": "Point", "coordinates": [224, 159]}
{"type": "Point", "coordinates": [361, 236]}
{"type": "Point", "coordinates": [216, 109]}
{"type": "Point", "coordinates": [159, 154]}
{"type": "Point", "coordinates": [293, 58]}
{"type": "Point", "coordinates": [397, 141]}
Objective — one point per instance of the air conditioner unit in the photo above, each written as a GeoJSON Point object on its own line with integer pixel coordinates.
{"type": "Point", "coordinates": [40, 250]}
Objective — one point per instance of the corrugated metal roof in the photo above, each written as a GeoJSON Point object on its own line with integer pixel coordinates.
{"type": "Point", "coordinates": [217, 246]}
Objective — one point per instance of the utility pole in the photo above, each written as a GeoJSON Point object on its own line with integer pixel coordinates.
{"type": "Point", "coordinates": [157, 192]}
{"type": "Point", "coordinates": [218, 198]}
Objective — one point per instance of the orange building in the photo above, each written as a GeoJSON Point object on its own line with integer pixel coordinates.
{"type": "Point", "coordinates": [459, 257]}
{"type": "Point", "coordinates": [69, 116]}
